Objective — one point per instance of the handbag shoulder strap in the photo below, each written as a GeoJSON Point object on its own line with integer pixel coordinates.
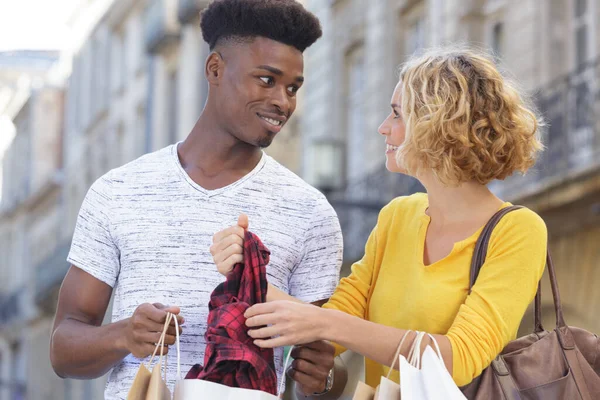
{"type": "Point", "coordinates": [481, 247]}
{"type": "Point", "coordinates": [480, 253]}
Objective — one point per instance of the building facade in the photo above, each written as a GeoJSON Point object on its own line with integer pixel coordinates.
{"type": "Point", "coordinates": [551, 47]}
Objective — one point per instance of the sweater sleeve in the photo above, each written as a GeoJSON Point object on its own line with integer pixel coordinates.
{"type": "Point", "coordinates": [507, 283]}
{"type": "Point", "coordinates": [352, 294]}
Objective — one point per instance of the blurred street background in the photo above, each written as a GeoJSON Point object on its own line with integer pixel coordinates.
{"type": "Point", "coordinates": [88, 85]}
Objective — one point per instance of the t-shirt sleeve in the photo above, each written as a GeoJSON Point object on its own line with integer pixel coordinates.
{"type": "Point", "coordinates": [506, 285]}
{"type": "Point", "coordinates": [317, 274]}
{"type": "Point", "coordinates": [93, 248]}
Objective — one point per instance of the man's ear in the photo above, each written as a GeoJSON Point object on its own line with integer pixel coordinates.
{"type": "Point", "coordinates": [214, 68]}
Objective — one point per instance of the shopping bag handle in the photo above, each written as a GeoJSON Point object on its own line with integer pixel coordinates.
{"type": "Point", "coordinates": [177, 347]}
{"type": "Point", "coordinates": [161, 344]}
{"type": "Point", "coordinates": [397, 355]}
{"type": "Point", "coordinates": [286, 364]}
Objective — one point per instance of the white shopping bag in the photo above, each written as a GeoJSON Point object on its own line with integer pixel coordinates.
{"type": "Point", "coordinates": [387, 389]}
{"type": "Point", "coordinates": [426, 377]}
{"type": "Point", "coordinates": [197, 389]}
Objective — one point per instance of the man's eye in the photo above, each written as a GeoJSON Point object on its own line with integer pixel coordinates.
{"type": "Point", "coordinates": [293, 89]}
{"type": "Point", "coordinates": [266, 79]}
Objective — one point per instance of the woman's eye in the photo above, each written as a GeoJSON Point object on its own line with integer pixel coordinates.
{"type": "Point", "coordinates": [266, 79]}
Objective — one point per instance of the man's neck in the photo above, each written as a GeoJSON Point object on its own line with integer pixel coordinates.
{"type": "Point", "coordinates": [214, 158]}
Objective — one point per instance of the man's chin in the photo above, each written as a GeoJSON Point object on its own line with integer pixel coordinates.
{"type": "Point", "coordinates": [266, 141]}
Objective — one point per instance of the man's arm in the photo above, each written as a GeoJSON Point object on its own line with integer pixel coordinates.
{"type": "Point", "coordinates": [81, 347]}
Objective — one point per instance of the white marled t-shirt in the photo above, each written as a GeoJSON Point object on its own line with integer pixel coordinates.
{"type": "Point", "coordinates": [146, 228]}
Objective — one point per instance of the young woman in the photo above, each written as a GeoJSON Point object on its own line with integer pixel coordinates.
{"type": "Point", "coordinates": [455, 124]}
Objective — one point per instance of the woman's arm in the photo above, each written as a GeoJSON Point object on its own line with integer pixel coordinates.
{"type": "Point", "coordinates": [294, 323]}
{"type": "Point", "coordinates": [484, 324]}
{"type": "Point", "coordinates": [375, 341]}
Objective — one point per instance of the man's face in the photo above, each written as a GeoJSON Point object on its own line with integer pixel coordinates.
{"type": "Point", "coordinates": [257, 91]}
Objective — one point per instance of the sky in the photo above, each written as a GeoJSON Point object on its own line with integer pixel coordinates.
{"type": "Point", "coordinates": [35, 24]}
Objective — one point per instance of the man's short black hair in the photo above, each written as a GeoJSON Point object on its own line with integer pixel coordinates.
{"type": "Point", "coordinates": [285, 21]}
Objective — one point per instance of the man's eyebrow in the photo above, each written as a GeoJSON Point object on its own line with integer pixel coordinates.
{"type": "Point", "coordinates": [278, 72]}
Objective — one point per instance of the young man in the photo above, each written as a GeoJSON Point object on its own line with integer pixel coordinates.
{"type": "Point", "coordinates": [145, 229]}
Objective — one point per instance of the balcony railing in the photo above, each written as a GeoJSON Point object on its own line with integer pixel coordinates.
{"type": "Point", "coordinates": [570, 106]}
{"type": "Point", "coordinates": [189, 10]}
{"type": "Point", "coordinates": [161, 26]}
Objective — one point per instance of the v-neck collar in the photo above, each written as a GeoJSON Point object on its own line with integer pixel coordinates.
{"type": "Point", "coordinates": [215, 192]}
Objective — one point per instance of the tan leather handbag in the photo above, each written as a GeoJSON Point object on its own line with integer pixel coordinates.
{"type": "Point", "coordinates": [560, 364]}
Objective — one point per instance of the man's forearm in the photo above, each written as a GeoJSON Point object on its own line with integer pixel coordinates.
{"type": "Point", "coordinates": [274, 294]}
{"type": "Point", "coordinates": [79, 350]}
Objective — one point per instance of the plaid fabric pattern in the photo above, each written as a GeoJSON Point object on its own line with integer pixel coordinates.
{"type": "Point", "coordinates": [231, 358]}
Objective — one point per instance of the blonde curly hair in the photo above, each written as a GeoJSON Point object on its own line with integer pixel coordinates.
{"type": "Point", "coordinates": [464, 120]}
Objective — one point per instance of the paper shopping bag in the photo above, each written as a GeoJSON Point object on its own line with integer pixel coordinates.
{"type": "Point", "coordinates": [151, 385]}
{"type": "Point", "coordinates": [157, 388]}
{"type": "Point", "coordinates": [387, 389]}
{"type": "Point", "coordinates": [195, 389]}
{"type": "Point", "coordinates": [139, 387]}
{"type": "Point", "coordinates": [363, 392]}
{"type": "Point", "coordinates": [426, 377]}
{"type": "Point", "coordinates": [436, 378]}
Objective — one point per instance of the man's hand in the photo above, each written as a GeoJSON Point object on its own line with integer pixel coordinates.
{"type": "Point", "coordinates": [144, 328]}
{"type": "Point", "coordinates": [311, 366]}
{"type": "Point", "coordinates": [228, 246]}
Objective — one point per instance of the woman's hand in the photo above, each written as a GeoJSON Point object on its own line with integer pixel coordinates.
{"type": "Point", "coordinates": [286, 323]}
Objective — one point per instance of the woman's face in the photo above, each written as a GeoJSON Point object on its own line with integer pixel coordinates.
{"type": "Point", "coordinates": [394, 131]}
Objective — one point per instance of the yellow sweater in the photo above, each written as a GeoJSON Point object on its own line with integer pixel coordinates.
{"type": "Point", "coordinates": [391, 285]}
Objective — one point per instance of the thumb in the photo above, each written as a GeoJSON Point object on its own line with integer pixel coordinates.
{"type": "Point", "coordinates": [243, 221]}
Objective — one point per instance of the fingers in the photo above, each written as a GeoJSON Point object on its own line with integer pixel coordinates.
{"type": "Point", "coordinates": [258, 309]}
{"type": "Point", "coordinates": [171, 330]}
{"type": "Point", "coordinates": [308, 384]}
{"type": "Point", "coordinates": [152, 312]}
{"type": "Point", "coordinates": [233, 249]}
{"type": "Point", "coordinates": [227, 241]}
{"type": "Point", "coordinates": [311, 366]}
{"type": "Point", "coordinates": [273, 343]}
{"type": "Point", "coordinates": [147, 349]}
{"type": "Point", "coordinates": [261, 320]}
{"type": "Point", "coordinates": [264, 333]}
{"type": "Point", "coordinates": [232, 230]}
{"type": "Point", "coordinates": [319, 346]}
{"type": "Point", "coordinates": [324, 359]}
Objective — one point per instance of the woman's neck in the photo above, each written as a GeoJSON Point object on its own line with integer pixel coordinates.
{"type": "Point", "coordinates": [449, 205]}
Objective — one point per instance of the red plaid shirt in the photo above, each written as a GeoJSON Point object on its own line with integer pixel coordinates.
{"type": "Point", "coordinates": [231, 357]}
